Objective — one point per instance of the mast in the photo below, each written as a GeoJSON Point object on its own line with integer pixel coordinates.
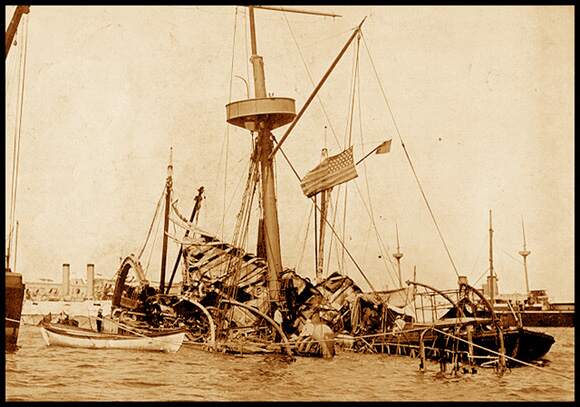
{"type": "Point", "coordinates": [398, 256]}
{"type": "Point", "coordinates": [262, 114]}
{"type": "Point", "coordinates": [194, 215]}
{"type": "Point", "coordinates": [9, 37]}
{"type": "Point", "coordinates": [491, 278]}
{"type": "Point", "coordinates": [525, 253]}
{"type": "Point", "coordinates": [168, 187]}
{"type": "Point", "coordinates": [13, 27]}
{"type": "Point", "coordinates": [271, 230]}
{"type": "Point", "coordinates": [324, 199]}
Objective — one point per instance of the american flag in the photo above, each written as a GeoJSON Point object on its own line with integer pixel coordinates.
{"type": "Point", "coordinates": [330, 172]}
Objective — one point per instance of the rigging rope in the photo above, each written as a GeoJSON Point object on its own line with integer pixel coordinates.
{"type": "Point", "coordinates": [246, 44]}
{"type": "Point", "coordinates": [409, 158]}
{"type": "Point", "coordinates": [355, 72]}
{"type": "Point", "coordinates": [334, 209]}
{"type": "Point", "coordinates": [17, 134]}
{"type": "Point", "coordinates": [305, 238]}
{"type": "Point", "coordinates": [384, 251]}
{"type": "Point", "coordinates": [234, 263]}
{"type": "Point", "coordinates": [227, 128]}
{"type": "Point", "coordinates": [153, 245]}
{"type": "Point", "coordinates": [152, 222]}
{"type": "Point", "coordinates": [311, 80]}
{"type": "Point", "coordinates": [481, 275]}
{"type": "Point", "coordinates": [328, 223]}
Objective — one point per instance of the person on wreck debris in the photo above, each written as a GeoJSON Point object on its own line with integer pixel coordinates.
{"type": "Point", "coordinates": [279, 319]}
{"type": "Point", "coordinates": [324, 335]}
{"type": "Point", "coordinates": [153, 313]}
{"type": "Point", "coordinates": [100, 320]}
{"type": "Point", "coordinates": [366, 320]}
{"type": "Point", "coordinates": [399, 324]}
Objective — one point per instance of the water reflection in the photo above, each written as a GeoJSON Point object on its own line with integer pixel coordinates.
{"type": "Point", "coordinates": [37, 372]}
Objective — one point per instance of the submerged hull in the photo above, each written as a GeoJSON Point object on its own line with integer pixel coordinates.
{"type": "Point", "coordinates": [14, 294]}
{"type": "Point", "coordinates": [520, 344]}
{"type": "Point", "coordinates": [84, 338]}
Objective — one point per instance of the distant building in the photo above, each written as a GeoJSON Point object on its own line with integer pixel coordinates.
{"type": "Point", "coordinates": [78, 289]}
{"type": "Point", "coordinates": [48, 290]}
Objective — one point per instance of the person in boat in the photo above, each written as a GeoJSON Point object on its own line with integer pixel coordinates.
{"type": "Point", "coordinates": [66, 320]}
{"type": "Point", "coordinates": [47, 319]}
{"type": "Point", "coordinates": [100, 320]}
{"type": "Point", "coordinates": [63, 318]}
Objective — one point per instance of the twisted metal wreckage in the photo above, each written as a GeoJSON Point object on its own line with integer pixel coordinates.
{"type": "Point", "coordinates": [238, 302]}
{"type": "Point", "coordinates": [228, 310]}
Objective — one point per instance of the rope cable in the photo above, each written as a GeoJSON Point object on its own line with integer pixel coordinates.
{"type": "Point", "coordinates": [381, 246]}
{"type": "Point", "coordinates": [299, 263]}
{"type": "Point", "coordinates": [348, 131]}
{"type": "Point", "coordinates": [332, 228]}
{"type": "Point", "coordinates": [152, 222]}
{"type": "Point", "coordinates": [318, 97]}
{"type": "Point", "coordinates": [227, 129]}
{"type": "Point", "coordinates": [17, 134]}
{"type": "Point", "coordinates": [409, 159]}
{"type": "Point", "coordinates": [153, 245]}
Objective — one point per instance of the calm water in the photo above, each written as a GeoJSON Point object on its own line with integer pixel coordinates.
{"type": "Point", "coordinates": [37, 372]}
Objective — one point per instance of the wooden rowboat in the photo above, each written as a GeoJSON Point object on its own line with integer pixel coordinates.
{"type": "Point", "coordinates": [75, 337]}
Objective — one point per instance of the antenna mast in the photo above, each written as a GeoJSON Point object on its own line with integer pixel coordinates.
{"type": "Point", "coordinates": [492, 278]}
{"type": "Point", "coordinates": [398, 256]}
{"type": "Point", "coordinates": [525, 253]}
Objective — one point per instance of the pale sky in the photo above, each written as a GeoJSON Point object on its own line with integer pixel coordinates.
{"type": "Point", "coordinates": [483, 97]}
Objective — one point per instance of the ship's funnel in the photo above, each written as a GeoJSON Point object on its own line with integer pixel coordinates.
{"type": "Point", "coordinates": [65, 279]}
{"type": "Point", "coordinates": [91, 281]}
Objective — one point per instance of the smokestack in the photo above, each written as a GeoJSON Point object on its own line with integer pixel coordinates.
{"type": "Point", "coordinates": [91, 281]}
{"type": "Point", "coordinates": [65, 279]}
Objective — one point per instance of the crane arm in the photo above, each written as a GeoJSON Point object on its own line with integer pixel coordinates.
{"type": "Point", "coordinates": [13, 27]}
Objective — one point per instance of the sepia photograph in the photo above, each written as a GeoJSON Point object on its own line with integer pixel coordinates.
{"type": "Point", "coordinates": [316, 203]}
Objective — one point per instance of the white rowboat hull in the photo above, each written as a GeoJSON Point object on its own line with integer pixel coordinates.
{"type": "Point", "coordinates": [162, 343]}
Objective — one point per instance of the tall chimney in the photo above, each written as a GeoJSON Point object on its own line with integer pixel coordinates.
{"type": "Point", "coordinates": [65, 279]}
{"type": "Point", "coordinates": [91, 281]}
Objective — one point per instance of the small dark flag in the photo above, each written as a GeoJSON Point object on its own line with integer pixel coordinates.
{"type": "Point", "coordinates": [384, 148]}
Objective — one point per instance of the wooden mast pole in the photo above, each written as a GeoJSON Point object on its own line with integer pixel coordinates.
{"type": "Point", "coordinates": [13, 27]}
{"type": "Point", "coordinates": [168, 187]}
{"type": "Point", "coordinates": [398, 256]}
{"type": "Point", "coordinates": [324, 199]}
{"type": "Point", "coordinates": [194, 213]}
{"type": "Point", "coordinates": [491, 274]}
{"type": "Point", "coordinates": [263, 122]}
{"type": "Point", "coordinates": [265, 145]}
{"type": "Point", "coordinates": [525, 253]}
